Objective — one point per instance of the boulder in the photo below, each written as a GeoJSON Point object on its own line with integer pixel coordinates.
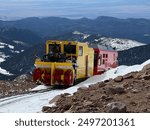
{"type": "Point", "coordinates": [117, 107]}
{"type": "Point", "coordinates": [55, 99]}
{"type": "Point", "coordinates": [119, 79]}
{"type": "Point", "coordinates": [115, 90]}
{"type": "Point", "coordinates": [148, 95]}
{"type": "Point", "coordinates": [146, 67]}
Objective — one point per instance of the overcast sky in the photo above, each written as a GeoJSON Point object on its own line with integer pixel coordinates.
{"type": "Point", "coordinates": [12, 9]}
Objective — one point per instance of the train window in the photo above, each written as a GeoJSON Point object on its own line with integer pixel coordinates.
{"type": "Point", "coordinates": [103, 61]}
{"type": "Point", "coordinates": [54, 48]}
{"type": "Point", "coordinates": [114, 57]}
{"type": "Point", "coordinates": [70, 49]}
{"type": "Point", "coordinates": [106, 55]}
{"type": "Point", "coordinates": [80, 50]}
{"type": "Point", "coordinates": [103, 55]}
{"type": "Point", "coordinates": [100, 59]}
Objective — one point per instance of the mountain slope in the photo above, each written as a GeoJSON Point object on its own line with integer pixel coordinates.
{"type": "Point", "coordinates": [135, 55]}
{"type": "Point", "coordinates": [23, 35]}
{"type": "Point", "coordinates": [108, 26]}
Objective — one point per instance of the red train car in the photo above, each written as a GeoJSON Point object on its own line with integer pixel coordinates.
{"type": "Point", "coordinates": [105, 58]}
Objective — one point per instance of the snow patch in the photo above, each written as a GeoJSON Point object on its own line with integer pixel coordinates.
{"type": "Point", "coordinates": [85, 36]}
{"type": "Point", "coordinates": [4, 72]}
{"type": "Point", "coordinates": [2, 59]}
{"type": "Point", "coordinates": [15, 51]}
{"type": "Point", "coordinates": [19, 42]}
{"type": "Point", "coordinates": [40, 87]}
{"type": "Point", "coordinates": [119, 44]}
{"type": "Point", "coordinates": [2, 45]}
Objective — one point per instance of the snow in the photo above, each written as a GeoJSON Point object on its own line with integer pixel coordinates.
{"type": "Point", "coordinates": [2, 59]}
{"type": "Point", "coordinates": [85, 36]}
{"type": "Point", "coordinates": [19, 42]}
{"type": "Point", "coordinates": [40, 87]}
{"type": "Point", "coordinates": [14, 51]}
{"type": "Point", "coordinates": [119, 44]}
{"type": "Point", "coordinates": [2, 45]}
{"type": "Point", "coordinates": [34, 102]}
{"type": "Point", "coordinates": [4, 72]}
{"type": "Point", "coordinates": [10, 46]}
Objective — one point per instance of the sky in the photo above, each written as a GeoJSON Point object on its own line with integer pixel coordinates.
{"type": "Point", "coordinates": [16, 9]}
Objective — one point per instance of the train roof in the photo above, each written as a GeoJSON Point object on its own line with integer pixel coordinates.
{"type": "Point", "coordinates": [105, 48]}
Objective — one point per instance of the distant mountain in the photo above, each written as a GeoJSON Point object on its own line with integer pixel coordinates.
{"type": "Point", "coordinates": [22, 63]}
{"type": "Point", "coordinates": [134, 29]}
{"type": "Point", "coordinates": [23, 35]}
{"type": "Point", "coordinates": [13, 42]}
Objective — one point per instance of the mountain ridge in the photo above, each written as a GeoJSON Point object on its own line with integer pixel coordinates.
{"type": "Point", "coordinates": [109, 26]}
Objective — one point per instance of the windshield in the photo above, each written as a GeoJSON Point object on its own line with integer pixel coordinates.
{"type": "Point", "coordinates": [70, 49]}
{"type": "Point", "coordinates": [54, 48]}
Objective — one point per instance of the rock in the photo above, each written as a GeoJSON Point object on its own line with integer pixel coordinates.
{"type": "Point", "coordinates": [148, 95]}
{"type": "Point", "coordinates": [129, 76]}
{"type": "Point", "coordinates": [119, 79]}
{"type": "Point", "coordinates": [146, 67]}
{"type": "Point", "coordinates": [133, 103]}
{"type": "Point", "coordinates": [103, 96]}
{"type": "Point", "coordinates": [135, 91]}
{"type": "Point", "coordinates": [115, 90]}
{"type": "Point", "coordinates": [146, 77]}
{"type": "Point", "coordinates": [117, 107]}
{"type": "Point", "coordinates": [45, 109]}
{"type": "Point", "coordinates": [101, 84]}
{"type": "Point", "coordinates": [82, 88]}
{"type": "Point", "coordinates": [66, 94]}
{"type": "Point", "coordinates": [55, 99]}
{"type": "Point", "coordinates": [23, 78]}
{"type": "Point", "coordinates": [87, 103]}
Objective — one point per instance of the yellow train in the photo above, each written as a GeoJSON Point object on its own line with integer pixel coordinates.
{"type": "Point", "coordinates": [68, 61]}
{"type": "Point", "coordinates": [64, 62]}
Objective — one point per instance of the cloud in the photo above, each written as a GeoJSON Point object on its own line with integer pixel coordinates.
{"type": "Point", "coordinates": [75, 8]}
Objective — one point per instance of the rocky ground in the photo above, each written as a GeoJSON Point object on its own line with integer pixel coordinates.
{"type": "Point", "coordinates": [21, 84]}
{"type": "Point", "coordinates": [129, 93]}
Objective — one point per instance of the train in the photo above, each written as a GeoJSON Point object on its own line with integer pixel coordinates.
{"type": "Point", "coordinates": [66, 62]}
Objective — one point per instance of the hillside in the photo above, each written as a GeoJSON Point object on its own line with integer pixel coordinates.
{"type": "Point", "coordinates": [135, 55]}
{"type": "Point", "coordinates": [123, 94]}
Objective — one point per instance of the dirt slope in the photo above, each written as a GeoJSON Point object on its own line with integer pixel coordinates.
{"type": "Point", "coordinates": [129, 93]}
{"type": "Point", "coordinates": [19, 85]}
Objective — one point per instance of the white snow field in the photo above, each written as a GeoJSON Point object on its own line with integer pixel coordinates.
{"type": "Point", "coordinates": [33, 103]}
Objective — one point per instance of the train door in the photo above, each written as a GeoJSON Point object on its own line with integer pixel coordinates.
{"type": "Point", "coordinates": [86, 66]}
{"type": "Point", "coordinates": [96, 55]}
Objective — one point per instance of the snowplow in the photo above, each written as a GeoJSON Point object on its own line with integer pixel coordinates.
{"type": "Point", "coordinates": [66, 62]}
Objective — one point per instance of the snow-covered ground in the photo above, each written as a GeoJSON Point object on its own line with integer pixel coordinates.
{"type": "Point", "coordinates": [118, 43]}
{"type": "Point", "coordinates": [4, 72]}
{"type": "Point", "coordinates": [34, 102]}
